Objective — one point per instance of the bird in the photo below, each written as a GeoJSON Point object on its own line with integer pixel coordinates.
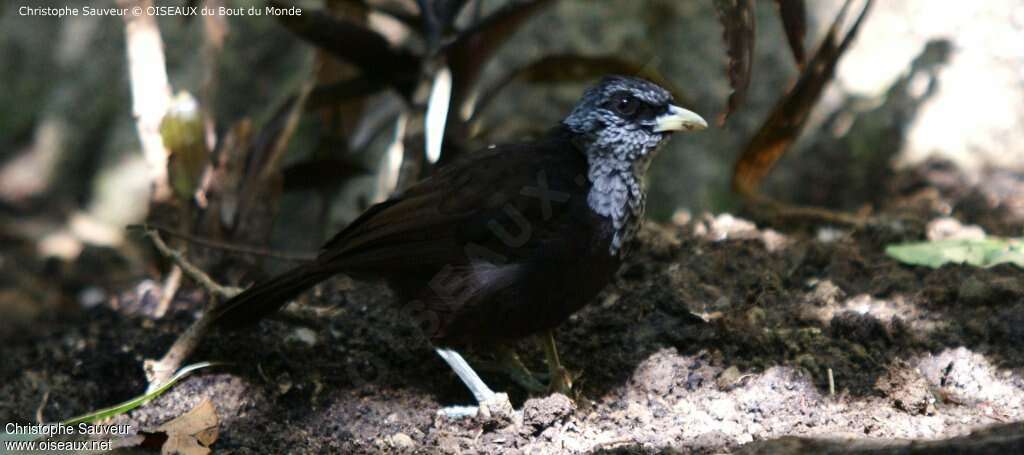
{"type": "Point", "coordinates": [506, 242]}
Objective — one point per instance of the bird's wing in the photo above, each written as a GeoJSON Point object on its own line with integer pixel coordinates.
{"type": "Point", "coordinates": [490, 202]}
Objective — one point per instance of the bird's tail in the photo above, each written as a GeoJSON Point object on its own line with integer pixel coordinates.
{"type": "Point", "coordinates": [263, 299]}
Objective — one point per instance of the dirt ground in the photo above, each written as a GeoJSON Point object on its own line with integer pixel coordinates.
{"type": "Point", "coordinates": [716, 337]}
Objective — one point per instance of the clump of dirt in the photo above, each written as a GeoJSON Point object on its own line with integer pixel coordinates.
{"type": "Point", "coordinates": [718, 335]}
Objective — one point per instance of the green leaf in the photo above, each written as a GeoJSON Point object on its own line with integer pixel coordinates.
{"type": "Point", "coordinates": [979, 253]}
{"type": "Point", "coordinates": [133, 403]}
{"type": "Point", "coordinates": [184, 138]}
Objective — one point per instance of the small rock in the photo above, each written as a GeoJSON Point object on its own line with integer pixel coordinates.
{"type": "Point", "coordinates": [402, 441]}
{"type": "Point", "coordinates": [907, 388]}
{"type": "Point", "coordinates": [304, 335]}
{"type": "Point", "coordinates": [541, 413]}
{"type": "Point", "coordinates": [496, 412]}
{"type": "Point", "coordinates": [951, 229]}
{"type": "Point", "coordinates": [729, 378]}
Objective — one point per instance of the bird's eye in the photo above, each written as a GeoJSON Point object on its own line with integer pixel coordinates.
{"type": "Point", "coordinates": [627, 105]}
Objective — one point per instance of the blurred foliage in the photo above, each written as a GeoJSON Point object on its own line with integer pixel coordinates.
{"type": "Point", "coordinates": [182, 133]}
{"type": "Point", "coordinates": [266, 127]}
{"type": "Point", "coordinates": [986, 252]}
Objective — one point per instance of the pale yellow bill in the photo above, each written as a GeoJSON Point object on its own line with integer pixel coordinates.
{"type": "Point", "coordinates": [679, 119]}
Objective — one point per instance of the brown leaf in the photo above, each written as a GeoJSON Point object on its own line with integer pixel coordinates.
{"type": "Point", "coordinates": [191, 433]}
{"type": "Point", "coordinates": [794, 20]}
{"type": "Point", "coordinates": [790, 114]}
{"type": "Point", "coordinates": [738, 27]}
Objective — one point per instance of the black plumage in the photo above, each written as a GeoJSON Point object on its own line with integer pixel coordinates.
{"type": "Point", "coordinates": [510, 240]}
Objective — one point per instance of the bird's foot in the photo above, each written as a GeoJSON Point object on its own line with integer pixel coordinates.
{"type": "Point", "coordinates": [496, 407]}
{"type": "Point", "coordinates": [509, 364]}
{"type": "Point", "coordinates": [560, 380]}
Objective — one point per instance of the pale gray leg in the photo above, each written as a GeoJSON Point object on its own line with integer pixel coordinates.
{"type": "Point", "coordinates": [469, 377]}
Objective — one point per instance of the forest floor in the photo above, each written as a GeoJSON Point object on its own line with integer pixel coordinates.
{"type": "Point", "coordinates": [717, 336]}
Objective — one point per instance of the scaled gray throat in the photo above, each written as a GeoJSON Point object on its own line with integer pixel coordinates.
{"type": "Point", "coordinates": [617, 192]}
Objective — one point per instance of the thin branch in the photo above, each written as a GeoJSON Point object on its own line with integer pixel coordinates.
{"type": "Point", "coordinates": [193, 272]}
{"type": "Point", "coordinates": [170, 288]}
{"type": "Point", "coordinates": [241, 249]}
{"type": "Point", "coordinates": [158, 372]}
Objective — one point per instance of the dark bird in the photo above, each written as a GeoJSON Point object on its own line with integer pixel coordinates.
{"type": "Point", "coordinates": [508, 241]}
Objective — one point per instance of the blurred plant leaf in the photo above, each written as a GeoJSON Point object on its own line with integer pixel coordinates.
{"type": "Point", "coordinates": [260, 186]}
{"type": "Point", "coordinates": [738, 27]}
{"type": "Point", "coordinates": [224, 192]}
{"type": "Point", "coordinates": [977, 252]}
{"type": "Point", "coordinates": [438, 17]}
{"type": "Point", "coordinates": [400, 14]}
{"type": "Point", "coordinates": [183, 135]}
{"type": "Point", "coordinates": [322, 173]}
{"type": "Point", "coordinates": [447, 11]}
{"type": "Point", "coordinates": [572, 68]}
{"type": "Point", "coordinates": [335, 93]}
{"type": "Point", "coordinates": [788, 117]}
{"type": "Point", "coordinates": [473, 48]}
{"type": "Point", "coordinates": [794, 20]}
{"type": "Point", "coordinates": [437, 113]}
{"type": "Point", "coordinates": [356, 44]}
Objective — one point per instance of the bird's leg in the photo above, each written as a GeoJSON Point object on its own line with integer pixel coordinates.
{"type": "Point", "coordinates": [561, 381]}
{"type": "Point", "coordinates": [511, 365]}
{"type": "Point", "coordinates": [486, 399]}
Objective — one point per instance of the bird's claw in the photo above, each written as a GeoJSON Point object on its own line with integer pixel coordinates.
{"type": "Point", "coordinates": [497, 407]}
{"type": "Point", "coordinates": [560, 382]}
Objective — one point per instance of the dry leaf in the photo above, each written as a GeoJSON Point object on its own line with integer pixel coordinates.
{"type": "Point", "coordinates": [191, 433]}
{"type": "Point", "coordinates": [788, 117]}
{"type": "Point", "coordinates": [738, 26]}
{"type": "Point", "coordinates": [794, 20]}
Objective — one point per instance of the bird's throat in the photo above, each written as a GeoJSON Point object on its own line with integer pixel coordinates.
{"type": "Point", "coordinates": [617, 193]}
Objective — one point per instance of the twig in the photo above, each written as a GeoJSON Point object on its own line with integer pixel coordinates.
{"type": "Point", "coordinates": [42, 405]}
{"type": "Point", "coordinates": [831, 384]}
{"type": "Point", "coordinates": [160, 371]}
{"type": "Point", "coordinates": [769, 207]}
{"type": "Point", "coordinates": [193, 272]}
{"type": "Point", "coordinates": [242, 249]}
{"type": "Point", "coordinates": [170, 288]}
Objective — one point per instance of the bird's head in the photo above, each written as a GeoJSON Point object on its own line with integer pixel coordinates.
{"type": "Point", "coordinates": [626, 118]}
